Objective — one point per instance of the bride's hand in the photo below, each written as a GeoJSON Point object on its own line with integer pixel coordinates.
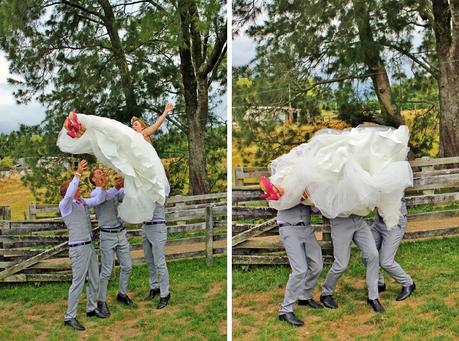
{"type": "Point", "coordinates": [81, 167]}
{"type": "Point", "coordinates": [169, 107]}
{"type": "Point", "coordinates": [305, 195]}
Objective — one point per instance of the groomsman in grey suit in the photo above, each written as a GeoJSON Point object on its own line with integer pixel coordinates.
{"type": "Point", "coordinates": [154, 238]}
{"type": "Point", "coordinates": [305, 258]}
{"type": "Point", "coordinates": [75, 213]}
{"type": "Point", "coordinates": [387, 242]}
{"type": "Point", "coordinates": [343, 232]}
{"type": "Point", "coordinates": [113, 239]}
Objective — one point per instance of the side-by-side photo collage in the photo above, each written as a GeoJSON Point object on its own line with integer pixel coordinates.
{"type": "Point", "coordinates": [229, 170]}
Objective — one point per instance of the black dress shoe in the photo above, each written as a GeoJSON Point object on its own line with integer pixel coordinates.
{"type": "Point", "coordinates": [152, 294]}
{"type": "Point", "coordinates": [103, 308]}
{"type": "Point", "coordinates": [311, 303]}
{"type": "Point", "coordinates": [124, 299]}
{"type": "Point", "coordinates": [328, 301]}
{"type": "Point", "coordinates": [74, 324]}
{"type": "Point", "coordinates": [376, 305]}
{"type": "Point", "coordinates": [163, 301]}
{"type": "Point", "coordinates": [382, 288]}
{"type": "Point", "coordinates": [406, 292]}
{"type": "Point", "coordinates": [97, 313]}
{"type": "Point", "coordinates": [292, 319]}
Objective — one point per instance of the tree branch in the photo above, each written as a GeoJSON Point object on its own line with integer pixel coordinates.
{"type": "Point", "coordinates": [429, 68]}
{"type": "Point", "coordinates": [156, 5]}
{"type": "Point", "coordinates": [129, 3]}
{"type": "Point", "coordinates": [219, 45]}
{"type": "Point", "coordinates": [329, 81]}
{"type": "Point", "coordinates": [215, 69]}
{"type": "Point", "coordinates": [90, 19]}
{"type": "Point", "coordinates": [82, 8]}
{"type": "Point", "coordinates": [196, 43]}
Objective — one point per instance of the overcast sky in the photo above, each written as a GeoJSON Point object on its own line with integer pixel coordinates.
{"type": "Point", "coordinates": [12, 114]}
{"type": "Point", "coordinates": [244, 50]}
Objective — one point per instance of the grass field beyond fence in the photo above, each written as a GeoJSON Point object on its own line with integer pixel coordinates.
{"type": "Point", "coordinates": [197, 310]}
{"type": "Point", "coordinates": [432, 313]}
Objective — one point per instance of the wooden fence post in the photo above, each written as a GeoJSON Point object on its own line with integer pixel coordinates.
{"type": "Point", "coordinates": [5, 213]}
{"type": "Point", "coordinates": [326, 237]}
{"type": "Point", "coordinates": [1, 243]}
{"type": "Point", "coordinates": [238, 182]}
{"type": "Point", "coordinates": [209, 235]}
{"type": "Point", "coordinates": [31, 212]}
{"type": "Point", "coordinates": [427, 169]}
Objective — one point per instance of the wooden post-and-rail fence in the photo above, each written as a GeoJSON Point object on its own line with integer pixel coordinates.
{"type": "Point", "coordinates": [36, 250]}
{"type": "Point", "coordinates": [436, 182]}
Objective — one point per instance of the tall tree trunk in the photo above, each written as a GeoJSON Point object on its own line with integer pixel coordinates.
{"type": "Point", "coordinates": [108, 18]}
{"type": "Point", "coordinates": [375, 64]}
{"type": "Point", "coordinates": [195, 108]}
{"type": "Point", "coordinates": [446, 29]}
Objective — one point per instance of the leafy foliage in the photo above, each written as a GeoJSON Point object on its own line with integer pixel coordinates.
{"type": "Point", "coordinates": [113, 59]}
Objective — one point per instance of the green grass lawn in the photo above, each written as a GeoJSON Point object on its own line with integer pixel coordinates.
{"type": "Point", "coordinates": [197, 310]}
{"type": "Point", "coordinates": [432, 313]}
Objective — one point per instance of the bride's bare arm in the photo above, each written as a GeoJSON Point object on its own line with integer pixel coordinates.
{"type": "Point", "coordinates": [155, 126]}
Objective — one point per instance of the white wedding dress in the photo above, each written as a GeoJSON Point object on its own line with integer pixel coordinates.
{"type": "Point", "coordinates": [347, 172]}
{"type": "Point", "coordinates": [124, 150]}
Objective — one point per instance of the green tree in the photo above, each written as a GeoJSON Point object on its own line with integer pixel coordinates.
{"type": "Point", "coordinates": [114, 59]}
{"type": "Point", "coordinates": [327, 42]}
{"type": "Point", "coordinates": [446, 29]}
{"type": "Point", "coordinates": [202, 49]}
{"type": "Point", "coordinates": [6, 162]}
{"type": "Point", "coordinates": [360, 39]}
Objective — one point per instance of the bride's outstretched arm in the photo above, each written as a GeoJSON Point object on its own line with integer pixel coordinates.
{"type": "Point", "coordinates": [155, 126]}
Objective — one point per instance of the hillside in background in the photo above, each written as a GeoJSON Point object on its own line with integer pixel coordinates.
{"type": "Point", "coordinates": [15, 195]}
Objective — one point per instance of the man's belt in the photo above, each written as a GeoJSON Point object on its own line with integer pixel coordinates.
{"type": "Point", "coordinates": [112, 230]}
{"type": "Point", "coordinates": [82, 243]}
{"type": "Point", "coordinates": [301, 223]}
{"type": "Point", "coordinates": [154, 222]}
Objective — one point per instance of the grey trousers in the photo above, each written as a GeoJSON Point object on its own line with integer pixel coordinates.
{"type": "Point", "coordinates": [154, 239]}
{"type": "Point", "coordinates": [305, 258]}
{"type": "Point", "coordinates": [343, 232]}
{"type": "Point", "coordinates": [111, 243]}
{"type": "Point", "coordinates": [387, 242]}
{"type": "Point", "coordinates": [84, 263]}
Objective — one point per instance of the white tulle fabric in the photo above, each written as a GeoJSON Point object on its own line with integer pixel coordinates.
{"type": "Point", "coordinates": [125, 151]}
{"type": "Point", "coordinates": [347, 172]}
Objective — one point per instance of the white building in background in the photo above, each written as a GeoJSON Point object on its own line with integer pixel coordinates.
{"type": "Point", "coordinates": [284, 114]}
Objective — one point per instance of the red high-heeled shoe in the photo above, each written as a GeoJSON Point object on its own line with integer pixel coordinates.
{"type": "Point", "coordinates": [270, 191]}
{"type": "Point", "coordinates": [73, 119]}
{"type": "Point", "coordinates": [69, 128]}
{"type": "Point", "coordinates": [72, 125]}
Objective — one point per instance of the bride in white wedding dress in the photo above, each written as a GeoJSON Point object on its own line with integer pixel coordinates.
{"type": "Point", "coordinates": [121, 148]}
{"type": "Point", "coordinates": [347, 172]}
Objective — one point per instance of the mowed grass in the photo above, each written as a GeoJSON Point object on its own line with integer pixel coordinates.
{"type": "Point", "coordinates": [14, 194]}
{"type": "Point", "coordinates": [432, 313]}
{"type": "Point", "coordinates": [197, 310]}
